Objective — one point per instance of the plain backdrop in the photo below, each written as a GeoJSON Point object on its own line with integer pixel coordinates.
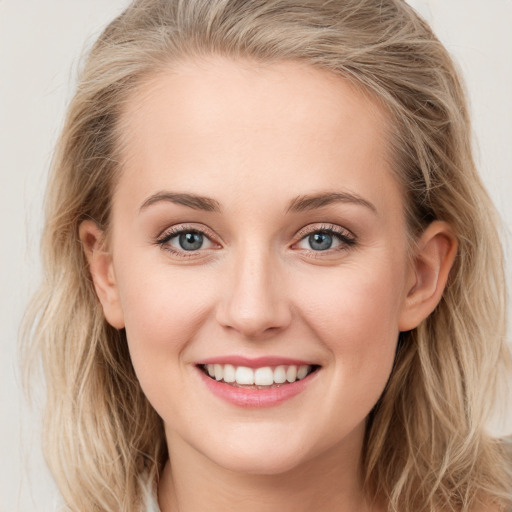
{"type": "Point", "coordinates": [40, 45]}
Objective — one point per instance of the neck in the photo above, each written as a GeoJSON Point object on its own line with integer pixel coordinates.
{"type": "Point", "coordinates": [328, 482]}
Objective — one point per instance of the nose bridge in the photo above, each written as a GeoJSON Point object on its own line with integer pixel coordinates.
{"type": "Point", "coordinates": [255, 301]}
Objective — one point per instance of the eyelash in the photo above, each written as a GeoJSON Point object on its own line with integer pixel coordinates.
{"type": "Point", "coordinates": [164, 239]}
{"type": "Point", "coordinates": [342, 235]}
{"type": "Point", "coordinates": [346, 238]}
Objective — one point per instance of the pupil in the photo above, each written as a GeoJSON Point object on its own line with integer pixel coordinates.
{"type": "Point", "coordinates": [191, 241]}
{"type": "Point", "coordinates": [320, 241]}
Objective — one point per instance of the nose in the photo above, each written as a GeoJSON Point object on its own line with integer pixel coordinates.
{"type": "Point", "coordinates": [254, 303]}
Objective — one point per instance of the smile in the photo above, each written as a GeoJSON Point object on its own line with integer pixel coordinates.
{"type": "Point", "coordinates": [256, 383]}
{"type": "Point", "coordinates": [259, 378]}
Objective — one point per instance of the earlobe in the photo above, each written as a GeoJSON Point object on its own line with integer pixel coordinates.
{"type": "Point", "coordinates": [102, 272]}
{"type": "Point", "coordinates": [435, 254]}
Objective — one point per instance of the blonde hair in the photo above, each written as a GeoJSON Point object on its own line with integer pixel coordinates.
{"type": "Point", "coordinates": [426, 446]}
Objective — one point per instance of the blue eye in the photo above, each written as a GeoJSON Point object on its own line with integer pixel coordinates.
{"type": "Point", "coordinates": [320, 241]}
{"type": "Point", "coordinates": [326, 238]}
{"type": "Point", "coordinates": [185, 241]}
{"type": "Point", "coordinates": [190, 241]}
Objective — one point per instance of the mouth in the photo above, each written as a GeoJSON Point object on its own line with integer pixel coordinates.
{"type": "Point", "coordinates": [265, 377]}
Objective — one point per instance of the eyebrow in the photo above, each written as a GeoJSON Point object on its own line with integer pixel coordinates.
{"type": "Point", "coordinates": [190, 200]}
{"type": "Point", "coordinates": [314, 201]}
{"type": "Point", "coordinates": [299, 204]}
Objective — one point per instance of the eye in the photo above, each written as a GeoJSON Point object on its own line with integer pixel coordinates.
{"type": "Point", "coordinates": [320, 241]}
{"type": "Point", "coordinates": [325, 238]}
{"type": "Point", "coordinates": [190, 241]}
{"type": "Point", "coordinates": [185, 241]}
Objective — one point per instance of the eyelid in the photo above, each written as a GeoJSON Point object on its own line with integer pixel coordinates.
{"type": "Point", "coordinates": [186, 227]}
{"type": "Point", "coordinates": [326, 228]}
{"type": "Point", "coordinates": [173, 231]}
{"type": "Point", "coordinates": [344, 236]}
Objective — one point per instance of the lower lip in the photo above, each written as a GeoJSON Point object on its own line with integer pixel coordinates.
{"type": "Point", "coordinates": [252, 397]}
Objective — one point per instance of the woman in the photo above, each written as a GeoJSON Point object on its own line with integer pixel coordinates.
{"type": "Point", "coordinates": [273, 275]}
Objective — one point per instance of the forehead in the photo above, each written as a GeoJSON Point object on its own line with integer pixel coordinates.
{"type": "Point", "coordinates": [221, 124]}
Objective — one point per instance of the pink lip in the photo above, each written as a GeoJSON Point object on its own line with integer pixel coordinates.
{"type": "Point", "coordinates": [253, 397]}
{"type": "Point", "coordinates": [256, 362]}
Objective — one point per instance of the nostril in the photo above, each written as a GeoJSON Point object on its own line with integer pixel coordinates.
{"type": "Point", "coordinates": [257, 322]}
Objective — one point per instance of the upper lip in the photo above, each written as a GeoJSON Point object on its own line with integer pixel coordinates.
{"type": "Point", "coordinates": [256, 362]}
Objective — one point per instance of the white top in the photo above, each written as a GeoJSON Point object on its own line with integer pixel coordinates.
{"type": "Point", "coordinates": [150, 498]}
{"type": "Point", "coordinates": [152, 504]}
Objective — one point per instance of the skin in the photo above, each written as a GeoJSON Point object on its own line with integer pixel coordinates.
{"type": "Point", "coordinates": [254, 138]}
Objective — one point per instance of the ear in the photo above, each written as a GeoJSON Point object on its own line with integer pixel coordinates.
{"type": "Point", "coordinates": [433, 259]}
{"type": "Point", "coordinates": [102, 272]}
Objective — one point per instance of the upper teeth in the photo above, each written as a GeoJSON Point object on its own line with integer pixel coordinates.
{"type": "Point", "coordinates": [264, 376]}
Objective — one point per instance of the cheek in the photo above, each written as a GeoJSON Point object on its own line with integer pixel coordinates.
{"type": "Point", "coordinates": [163, 309]}
{"type": "Point", "coordinates": [354, 312]}
{"type": "Point", "coordinates": [353, 300]}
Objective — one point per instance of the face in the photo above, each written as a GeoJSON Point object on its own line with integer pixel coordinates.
{"type": "Point", "coordinates": [257, 232]}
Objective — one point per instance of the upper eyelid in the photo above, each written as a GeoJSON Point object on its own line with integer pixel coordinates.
{"type": "Point", "coordinates": [175, 230]}
{"type": "Point", "coordinates": [330, 228]}
{"type": "Point", "coordinates": [163, 239]}
{"type": "Point", "coordinates": [187, 227]}
{"type": "Point", "coordinates": [346, 238]}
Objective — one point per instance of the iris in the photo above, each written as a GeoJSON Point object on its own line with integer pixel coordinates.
{"type": "Point", "coordinates": [191, 241]}
{"type": "Point", "coordinates": [320, 241]}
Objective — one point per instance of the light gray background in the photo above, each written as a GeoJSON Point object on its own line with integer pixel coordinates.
{"type": "Point", "coordinates": [40, 45]}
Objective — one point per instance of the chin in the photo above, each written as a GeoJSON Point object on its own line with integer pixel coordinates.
{"type": "Point", "coordinates": [254, 461]}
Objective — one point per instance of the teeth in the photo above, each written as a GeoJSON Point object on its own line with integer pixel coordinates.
{"type": "Point", "coordinates": [264, 376]}
{"type": "Point", "coordinates": [244, 375]}
{"type": "Point", "coordinates": [229, 373]}
{"type": "Point", "coordinates": [280, 375]}
{"type": "Point", "coordinates": [291, 374]}
{"type": "Point", "coordinates": [301, 372]}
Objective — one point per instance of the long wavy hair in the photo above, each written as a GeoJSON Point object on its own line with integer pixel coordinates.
{"type": "Point", "coordinates": [426, 448]}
